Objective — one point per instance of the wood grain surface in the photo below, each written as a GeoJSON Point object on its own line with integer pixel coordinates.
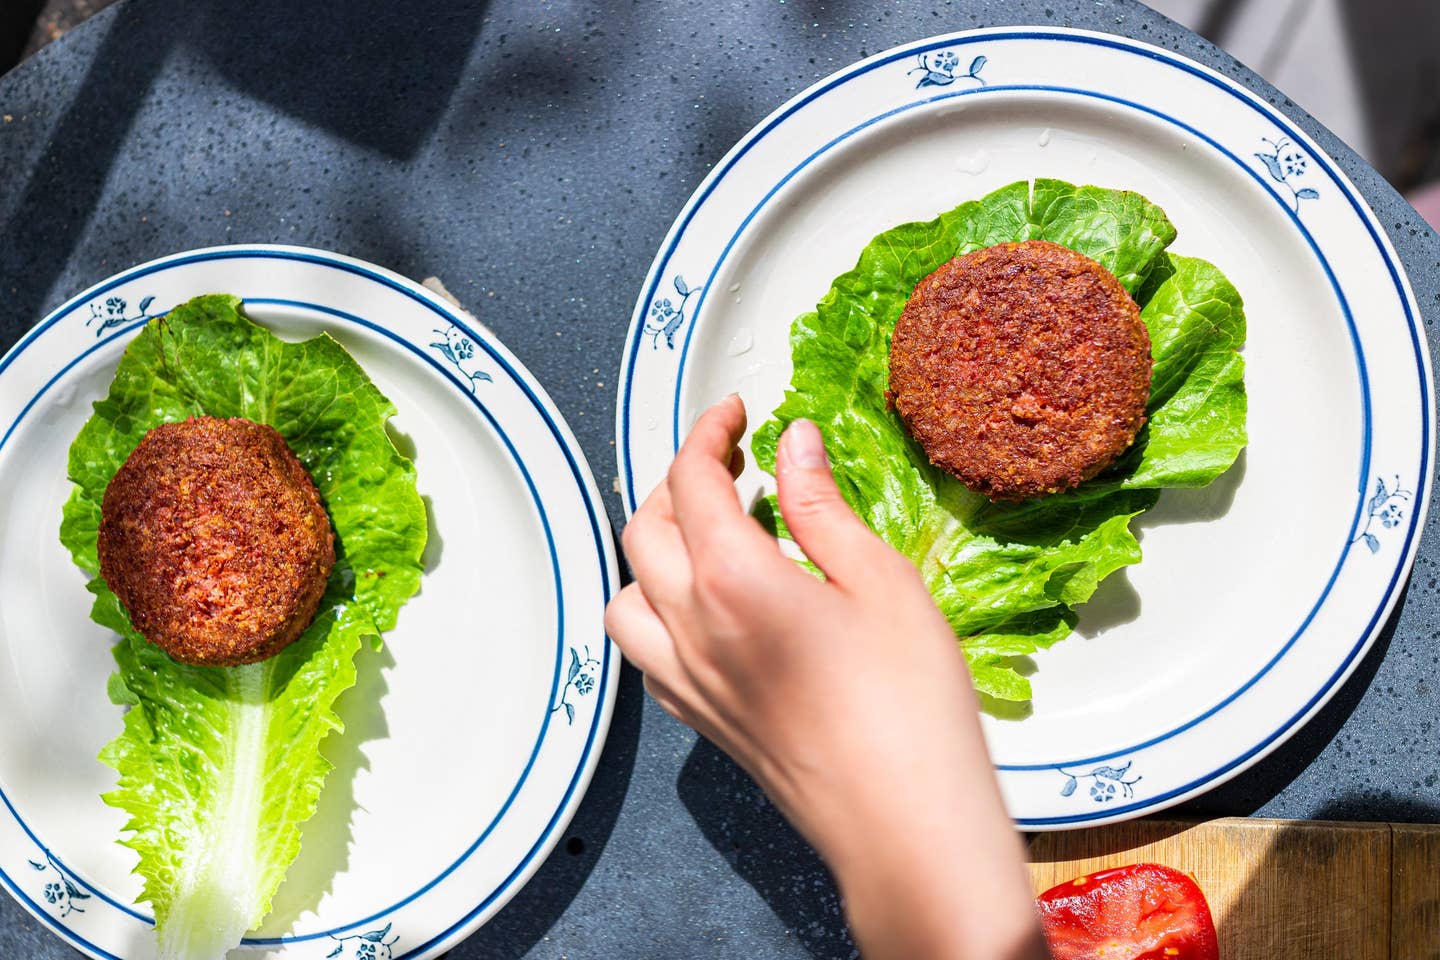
{"type": "Point", "coordinates": [1415, 892]}
{"type": "Point", "coordinates": [1281, 888]}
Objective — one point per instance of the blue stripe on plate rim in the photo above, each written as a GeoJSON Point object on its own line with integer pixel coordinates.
{"type": "Point", "coordinates": [608, 573]}
{"type": "Point", "coordinates": [659, 271]}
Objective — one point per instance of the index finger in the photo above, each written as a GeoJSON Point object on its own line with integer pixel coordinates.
{"type": "Point", "coordinates": [702, 489]}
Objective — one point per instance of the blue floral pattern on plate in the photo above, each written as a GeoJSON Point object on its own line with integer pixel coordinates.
{"type": "Point", "coordinates": [60, 891]}
{"type": "Point", "coordinates": [937, 69]}
{"type": "Point", "coordinates": [113, 312]}
{"type": "Point", "coordinates": [580, 680]}
{"type": "Point", "coordinates": [1286, 162]}
{"type": "Point", "coordinates": [456, 346]}
{"type": "Point", "coordinates": [667, 317]}
{"type": "Point", "coordinates": [1386, 506]}
{"type": "Point", "coordinates": [1106, 782]}
{"type": "Point", "coordinates": [364, 946]}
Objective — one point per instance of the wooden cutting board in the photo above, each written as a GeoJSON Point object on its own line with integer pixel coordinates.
{"type": "Point", "coordinates": [1291, 889]}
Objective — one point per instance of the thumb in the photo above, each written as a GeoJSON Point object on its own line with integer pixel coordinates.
{"type": "Point", "coordinates": [822, 523]}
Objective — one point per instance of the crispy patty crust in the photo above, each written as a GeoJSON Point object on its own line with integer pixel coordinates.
{"type": "Point", "coordinates": [214, 538]}
{"type": "Point", "coordinates": [1022, 369]}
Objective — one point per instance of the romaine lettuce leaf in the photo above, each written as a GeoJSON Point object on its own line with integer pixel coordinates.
{"type": "Point", "coordinates": [219, 766]}
{"type": "Point", "coordinates": [1009, 575]}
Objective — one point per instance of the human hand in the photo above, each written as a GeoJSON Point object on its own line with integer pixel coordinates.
{"type": "Point", "coordinates": [846, 698]}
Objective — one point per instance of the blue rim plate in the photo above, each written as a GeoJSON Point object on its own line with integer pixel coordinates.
{"type": "Point", "coordinates": [470, 740]}
{"type": "Point", "coordinates": [1258, 595]}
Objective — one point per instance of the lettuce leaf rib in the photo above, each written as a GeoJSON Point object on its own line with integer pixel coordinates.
{"type": "Point", "coordinates": [220, 766]}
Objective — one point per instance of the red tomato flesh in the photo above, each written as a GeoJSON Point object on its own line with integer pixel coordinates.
{"type": "Point", "coordinates": [1141, 912]}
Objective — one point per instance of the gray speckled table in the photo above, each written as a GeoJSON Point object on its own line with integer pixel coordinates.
{"type": "Point", "coordinates": [533, 155]}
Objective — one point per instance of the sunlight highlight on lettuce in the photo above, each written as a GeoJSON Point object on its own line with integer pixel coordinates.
{"type": "Point", "coordinates": [1009, 575]}
{"type": "Point", "coordinates": [220, 766]}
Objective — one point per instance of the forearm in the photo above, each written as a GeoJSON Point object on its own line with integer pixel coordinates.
{"type": "Point", "coordinates": [948, 887]}
{"type": "Point", "coordinates": [926, 856]}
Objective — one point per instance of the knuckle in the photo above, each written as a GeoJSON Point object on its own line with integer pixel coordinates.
{"type": "Point", "coordinates": [893, 563]}
{"type": "Point", "coordinates": [620, 608]}
{"type": "Point", "coordinates": [681, 475]}
{"type": "Point", "coordinates": [657, 688]}
{"type": "Point", "coordinates": [677, 711]}
{"type": "Point", "coordinates": [697, 666]}
{"type": "Point", "coordinates": [667, 699]}
{"type": "Point", "coordinates": [809, 501]}
{"type": "Point", "coordinates": [892, 560]}
{"type": "Point", "coordinates": [634, 533]}
{"type": "Point", "coordinates": [721, 579]}
{"type": "Point", "coordinates": [690, 452]}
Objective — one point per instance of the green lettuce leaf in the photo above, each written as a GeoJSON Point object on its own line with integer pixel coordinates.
{"type": "Point", "coordinates": [1009, 575]}
{"type": "Point", "coordinates": [220, 766]}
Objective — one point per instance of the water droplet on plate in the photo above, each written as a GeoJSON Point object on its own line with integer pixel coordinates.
{"type": "Point", "coordinates": [651, 424]}
{"type": "Point", "coordinates": [1044, 138]}
{"type": "Point", "coordinates": [741, 343]}
{"type": "Point", "coordinates": [735, 287]}
{"type": "Point", "coordinates": [973, 163]}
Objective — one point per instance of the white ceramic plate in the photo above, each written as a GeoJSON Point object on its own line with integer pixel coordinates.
{"type": "Point", "coordinates": [469, 740]}
{"type": "Point", "coordinates": [1258, 595]}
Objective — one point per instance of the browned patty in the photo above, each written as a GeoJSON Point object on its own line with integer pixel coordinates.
{"type": "Point", "coordinates": [213, 537]}
{"type": "Point", "coordinates": [1023, 369]}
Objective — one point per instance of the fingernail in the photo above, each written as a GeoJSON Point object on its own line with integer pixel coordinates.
{"type": "Point", "coordinates": [804, 447]}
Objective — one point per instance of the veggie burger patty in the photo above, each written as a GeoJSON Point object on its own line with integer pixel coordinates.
{"type": "Point", "coordinates": [1022, 369]}
{"type": "Point", "coordinates": [214, 539]}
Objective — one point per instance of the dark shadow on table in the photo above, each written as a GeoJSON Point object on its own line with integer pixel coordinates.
{"type": "Point", "coordinates": [1392, 52]}
{"type": "Point", "coordinates": [1217, 19]}
{"type": "Point", "coordinates": [377, 73]}
{"type": "Point", "coordinates": [745, 828]}
{"type": "Point", "coordinates": [17, 19]}
{"type": "Point", "coordinates": [43, 230]}
{"type": "Point", "coordinates": [1358, 807]}
{"type": "Point", "coordinates": [837, 12]}
{"type": "Point", "coordinates": [1260, 784]}
{"type": "Point", "coordinates": [527, 918]}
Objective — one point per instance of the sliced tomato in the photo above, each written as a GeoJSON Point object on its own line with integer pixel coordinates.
{"type": "Point", "coordinates": [1141, 912]}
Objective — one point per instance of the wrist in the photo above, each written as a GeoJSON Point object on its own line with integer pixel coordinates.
{"type": "Point", "coordinates": [935, 871]}
{"type": "Point", "coordinates": [958, 896]}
